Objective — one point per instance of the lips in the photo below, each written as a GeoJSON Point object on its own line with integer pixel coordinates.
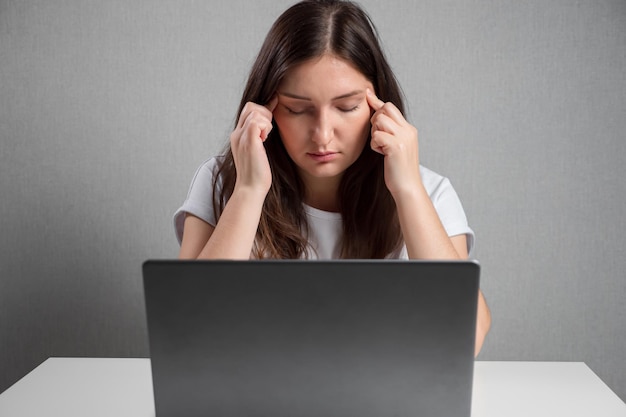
{"type": "Point", "coordinates": [323, 156]}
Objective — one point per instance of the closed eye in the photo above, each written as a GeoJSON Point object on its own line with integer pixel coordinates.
{"type": "Point", "coordinates": [348, 110]}
{"type": "Point", "coordinates": [294, 112]}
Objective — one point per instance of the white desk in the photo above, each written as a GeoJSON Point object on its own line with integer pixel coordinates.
{"type": "Point", "coordinates": [97, 387]}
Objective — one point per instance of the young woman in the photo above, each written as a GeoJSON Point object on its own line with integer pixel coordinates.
{"type": "Point", "coordinates": [322, 163]}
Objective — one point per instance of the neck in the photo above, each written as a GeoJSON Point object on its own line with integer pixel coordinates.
{"type": "Point", "coordinates": [321, 193]}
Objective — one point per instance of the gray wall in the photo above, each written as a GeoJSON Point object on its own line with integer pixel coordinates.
{"type": "Point", "coordinates": [107, 108]}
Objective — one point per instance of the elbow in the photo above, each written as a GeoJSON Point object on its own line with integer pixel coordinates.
{"type": "Point", "coordinates": [483, 325]}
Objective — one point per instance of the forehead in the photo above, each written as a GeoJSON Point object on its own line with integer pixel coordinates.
{"type": "Point", "coordinates": [327, 72]}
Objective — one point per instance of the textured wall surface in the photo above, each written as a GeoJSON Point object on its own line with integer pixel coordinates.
{"type": "Point", "coordinates": [107, 108]}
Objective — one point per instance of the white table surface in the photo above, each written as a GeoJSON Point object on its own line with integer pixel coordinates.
{"type": "Point", "coordinates": [102, 387]}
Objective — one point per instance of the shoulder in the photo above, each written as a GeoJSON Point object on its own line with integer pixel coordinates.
{"type": "Point", "coordinates": [448, 205]}
{"type": "Point", "coordinates": [441, 192]}
{"type": "Point", "coordinates": [199, 200]}
{"type": "Point", "coordinates": [434, 183]}
{"type": "Point", "coordinates": [209, 167]}
{"type": "Point", "coordinates": [205, 174]}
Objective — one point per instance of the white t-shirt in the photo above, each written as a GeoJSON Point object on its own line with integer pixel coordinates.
{"type": "Point", "coordinates": [325, 227]}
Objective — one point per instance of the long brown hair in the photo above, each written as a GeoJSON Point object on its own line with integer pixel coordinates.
{"type": "Point", "coordinates": [307, 30]}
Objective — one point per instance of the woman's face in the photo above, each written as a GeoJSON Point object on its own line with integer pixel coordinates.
{"type": "Point", "coordinates": [323, 117]}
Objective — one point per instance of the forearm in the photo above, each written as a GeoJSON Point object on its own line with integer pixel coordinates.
{"type": "Point", "coordinates": [234, 234]}
{"type": "Point", "coordinates": [423, 233]}
{"type": "Point", "coordinates": [426, 238]}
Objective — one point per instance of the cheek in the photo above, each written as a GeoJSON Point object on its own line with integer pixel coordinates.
{"type": "Point", "coordinates": [288, 132]}
{"type": "Point", "coordinates": [362, 126]}
{"type": "Point", "coordinates": [283, 126]}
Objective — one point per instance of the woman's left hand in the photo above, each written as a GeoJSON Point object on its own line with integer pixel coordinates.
{"type": "Point", "coordinates": [396, 139]}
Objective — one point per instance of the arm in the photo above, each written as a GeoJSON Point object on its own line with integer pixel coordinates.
{"type": "Point", "coordinates": [483, 322]}
{"type": "Point", "coordinates": [422, 230]}
{"type": "Point", "coordinates": [396, 139]}
{"type": "Point", "coordinates": [428, 240]}
{"type": "Point", "coordinates": [235, 231]}
{"type": "Point", "coordinates": [233, 236]}
{"type": "Point", "coordinates": [423, 233]}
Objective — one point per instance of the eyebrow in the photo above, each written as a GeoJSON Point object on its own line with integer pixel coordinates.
{"type": "Point", "coordinates": [297, 97]}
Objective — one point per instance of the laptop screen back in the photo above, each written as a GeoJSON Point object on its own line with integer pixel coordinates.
{"type": "Point", "coordinates": [311, 338]}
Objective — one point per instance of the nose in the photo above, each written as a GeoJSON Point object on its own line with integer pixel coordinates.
{"type": "Point", "coordinates": [323, 130]}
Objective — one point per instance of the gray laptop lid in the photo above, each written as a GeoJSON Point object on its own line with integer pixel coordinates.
{"type": "Point", "coordinates": [311, 338]}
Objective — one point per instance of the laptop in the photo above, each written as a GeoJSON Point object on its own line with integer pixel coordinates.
{"type": "Point", "coordinates": [296, 338]}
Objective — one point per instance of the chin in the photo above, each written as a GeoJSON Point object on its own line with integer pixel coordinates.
{"type": "Point", "coordinates": [325, 171]}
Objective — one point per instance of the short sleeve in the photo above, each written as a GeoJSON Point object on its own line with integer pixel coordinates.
{"type": "Point", "coordinates": [448, 206]}
{"type": "Point", "coordinates": [199, 201]}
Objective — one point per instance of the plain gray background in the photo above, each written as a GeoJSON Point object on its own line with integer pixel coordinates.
{"type": "Point", "coordinates": [107, 109]}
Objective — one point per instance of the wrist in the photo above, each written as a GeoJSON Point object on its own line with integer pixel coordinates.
{"type": "Point", "coordinates": [414, 192]}
{"type": "Point", "coordinates": [249, 194]}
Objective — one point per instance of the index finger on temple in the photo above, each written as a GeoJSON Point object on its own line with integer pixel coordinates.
{"type": "Point", "coordinates": [374, 102]}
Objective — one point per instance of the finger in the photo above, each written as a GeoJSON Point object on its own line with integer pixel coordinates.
{"type": "Point", "coordinates": [388, 108]}
{"type": "Point", "coordinates": [256, 126]}
{"type": "Point", "coordinates": [374, 102]}
{"type": "Point", "coordinates": [271, 105]}
{"type": "Point", "coordinates": [380, 142]}
{"type": "Point", "coordinates": [243, 116]}
{"type": "Point", "coordinates": [252, 109]}
{"type": "Point", "coordinates": [383, 122]}
{"type": "Point", "coordinates": [265, 131]}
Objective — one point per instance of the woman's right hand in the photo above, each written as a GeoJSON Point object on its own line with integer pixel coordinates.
{"type": "Point", "coordinates": [246, 143]}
